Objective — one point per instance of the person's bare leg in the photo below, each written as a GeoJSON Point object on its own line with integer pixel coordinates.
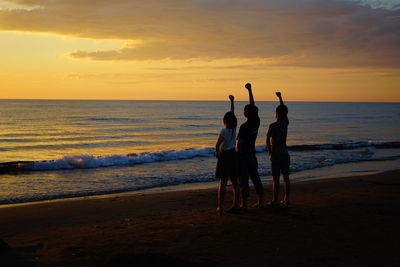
{"type": "Point", "coordinates": [244, 187]}
{"type": "Point", "coordinates": [287, 189]}
{"type": "Point", "coordinates": [236, 193]}
{"type": "Point", "coordinates": [243, 203]}
{"type": "Point", "coordinates": [259, 203]}
{"type": "Point", "coordinates": [255, 178]}
{"type": "Point", "coordinates": [275, 189]}
{"type": "Point", "coordinates": [221, 194]}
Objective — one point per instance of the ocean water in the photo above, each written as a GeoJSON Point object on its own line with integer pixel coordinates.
{"type": "Point", "coordinates": [53, 149]}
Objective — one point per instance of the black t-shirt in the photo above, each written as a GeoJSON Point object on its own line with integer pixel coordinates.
{"type": "Point", "coordinates": [278, 132]}
{"type": "Point", "coordinates": [248, 135]}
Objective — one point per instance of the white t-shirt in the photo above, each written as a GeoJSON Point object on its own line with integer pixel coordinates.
{"type": "Point", "coordinates": [229, 136]}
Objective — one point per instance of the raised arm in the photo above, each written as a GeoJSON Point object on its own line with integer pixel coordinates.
{"type": "Point", "coordinates": [251, 98]}
{"type": "Point", "coordinates": [232, 99]}
{"type": "Point", "coordinates": [279, 95]}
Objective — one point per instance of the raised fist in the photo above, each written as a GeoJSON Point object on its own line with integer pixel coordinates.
{"type": "Point", "coordinates": [278, 94]}
{"type": "Point", "coordinates": [231, 97]}
{"type": "Point", "coordinates": [248, 86]}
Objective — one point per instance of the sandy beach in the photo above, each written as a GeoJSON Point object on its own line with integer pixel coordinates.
{"type": "Point", "coordinates": [352, 221]}
{"type": "Point", "coordinates": [119, 120]}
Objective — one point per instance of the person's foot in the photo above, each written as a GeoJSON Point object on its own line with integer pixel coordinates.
{"type": "Point", "coordinates": [258, 205]}
{"type": "Point", "coordinates": [219, 211]}
{"type": "Point", "coordinates": [243, 205]}
{"type": "Point", "coordinates": [273, 204]}
{"type": "Point", "coordinates": [233, 210]}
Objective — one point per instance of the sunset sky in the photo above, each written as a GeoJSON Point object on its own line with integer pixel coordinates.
{"type": "Point", "coordinates": [325, 50]}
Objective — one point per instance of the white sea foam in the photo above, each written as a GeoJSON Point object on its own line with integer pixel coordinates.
{"type": "Point", "coordinates": [84, 161]}
{"type": "Point", "coordinates": [89, 161]}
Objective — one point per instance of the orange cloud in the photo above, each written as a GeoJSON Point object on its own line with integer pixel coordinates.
{"type": "Point", "coordinates": [305, 33]}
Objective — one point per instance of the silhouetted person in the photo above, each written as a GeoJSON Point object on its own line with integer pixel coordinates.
{"type": "Point", "coordinates": [280, 159]}
{"type": "Point", "coordinates": [247, 152]}
{"type": "Point", "coordinates": [227, 165]}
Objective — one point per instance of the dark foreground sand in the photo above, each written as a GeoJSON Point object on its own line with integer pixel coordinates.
{"type": "Point", "coordinates": [338, 222]}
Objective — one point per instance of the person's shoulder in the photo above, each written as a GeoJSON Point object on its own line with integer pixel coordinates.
{"type": "Point", "coordinates": [273, 126]}
{"type": "Point", "coordinates": [282, 123]}
{"type": "Point", "coordinates": [244, 125]}
{"type": "Point", "coordinates": [224, 131]}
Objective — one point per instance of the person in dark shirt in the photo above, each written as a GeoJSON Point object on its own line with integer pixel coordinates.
{"type": "Point", "coordinates": [247, 152]}
{"type": "Point", "coordinates": [279, 156]}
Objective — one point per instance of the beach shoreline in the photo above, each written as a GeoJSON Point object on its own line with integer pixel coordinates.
{"type": "Point", "coordinates": [340, 221]}
{"type": "Point", "coordinates": [328, 172]}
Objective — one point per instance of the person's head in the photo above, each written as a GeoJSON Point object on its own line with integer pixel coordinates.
{"type": "Point", "coordinates": [281, 113]}
{"type": "Point", "coordinates": [230, 120]}
{"type": "Point", "coordinates": [250, 112]}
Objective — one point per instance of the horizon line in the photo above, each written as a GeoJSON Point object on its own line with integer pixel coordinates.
{"type": "Point", "coordinates": [192, 100]}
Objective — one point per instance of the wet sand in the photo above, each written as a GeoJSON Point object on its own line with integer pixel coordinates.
{"type": "Point", "coordinates": [351, 221]}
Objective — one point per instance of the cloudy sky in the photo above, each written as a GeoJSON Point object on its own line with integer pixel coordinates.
{"type": "Point", "coordinates": [317, 50]}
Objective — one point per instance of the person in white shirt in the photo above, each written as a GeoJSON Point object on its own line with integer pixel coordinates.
{"type": "Point", "coordinates": [227, 165]}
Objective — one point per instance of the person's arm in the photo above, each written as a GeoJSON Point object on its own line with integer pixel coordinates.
{"type": "Point", "coordinates": [269, 144]}
{"type": "Point", "coordinates": [251, 98]}
{"type": "Point", "coordinates": [239, 142]}
{"type": "Point", "coordinates": [279, 95]}
{"type": "Point", "coordinates": [239, 146]}
{"type": "Point", "coordinates": [220, 140]}
{"type": "Point", "coordinates": [232, 99]}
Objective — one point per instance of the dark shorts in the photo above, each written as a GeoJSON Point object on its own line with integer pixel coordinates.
{"type": "Point", "coordinates": [280, 164]}
{"type": "Point", "coordinates": [228, 165]}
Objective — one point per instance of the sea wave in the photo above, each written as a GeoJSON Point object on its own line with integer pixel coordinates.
{"type": "Point", "coordinates": [341, 146]}
{"type": "Point", "coordinates": [80, 145]}
{"type": "Point", "coordinates": [116, 119]}
{"type": "Point", "coordinates": [85, 161]}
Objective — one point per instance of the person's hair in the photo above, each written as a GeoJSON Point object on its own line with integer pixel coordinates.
{"type": "Point", "coordinates": [251, 112]}
{"type": "Point", "coordinates": [230, 120]}
{"type": "Point", "coordinates": [281, 112]}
